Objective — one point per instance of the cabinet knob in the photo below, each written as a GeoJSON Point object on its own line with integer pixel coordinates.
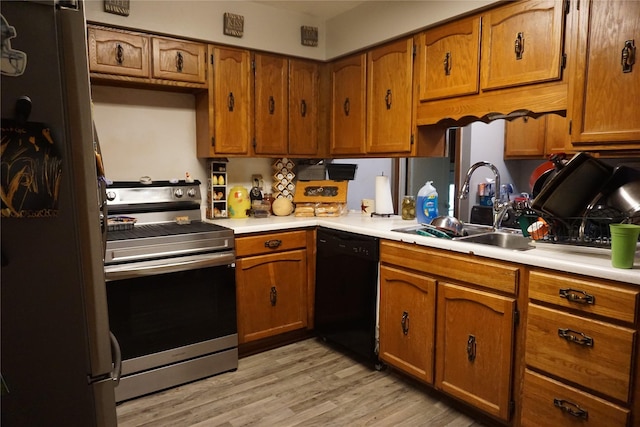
{"type": "Point", "coordinates": [404, 322]}
{"type": "Point", "coordinates": [231, 101]}
{"type": "Point", "coordinates": [388, 99]}
{"type": "Point", "coordinates": [519, 46]}
{"type": "Point", "coordinates": [303, 108]}
{"type": "Point", "coordinates": [273, 295]}
{"type": "Point", "coordinates": [471, 348]}
{"type": "Point", "coordinates": [346, 106]}
{"type": "Point", "coordinates": [179, 62]}
{"type": "Point", "coordinates": [447, 63]}
{"type": "Point", "coordinates": [628, 56]}
{"type": "Point", "coordinates": [119, 54]}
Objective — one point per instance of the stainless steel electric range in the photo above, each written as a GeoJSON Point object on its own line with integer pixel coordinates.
{"type": "Point", "coordinates": [170, 287]}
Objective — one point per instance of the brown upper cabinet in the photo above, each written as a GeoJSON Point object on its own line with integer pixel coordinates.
{"type": "Point", "coordinates": [506, 59]}
{"type": "Point", "coordinates": [348, 105]}
{"type": "Point", "coordinates": [286, 106]}
{"type": "Point", "coordinates": [224, 112]}
{"type": "Point", "coordinates": [390, 98]}
{"type": "Point", "coordinates": [134, 59]}
{"type": "Point", "coordinates": [522, 43]}
{"type": "Point", "coordinates": [605, 85]}
{"type": "Point", "coordinates": [526, 137]}
{"type": "Point", "coordinates": [450, 60]}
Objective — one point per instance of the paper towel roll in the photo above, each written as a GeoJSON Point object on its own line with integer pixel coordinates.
{"type": "Point", "coordinates": [384, 203]}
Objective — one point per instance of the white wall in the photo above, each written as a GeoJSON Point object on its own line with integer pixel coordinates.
{"type": "Point", "coordinates": [277, 30]}
{"type": "Point", "coordinates": [363, 186]}
{"type": "Point", "coordinates": [377, 21]}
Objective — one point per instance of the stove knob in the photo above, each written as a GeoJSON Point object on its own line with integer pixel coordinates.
{"type": "Point", "coordinates": [179, 193]}
{"type": "Point", "coordinates": [191, 192]}
{"type": "Point", "coordinates": [111, 196]}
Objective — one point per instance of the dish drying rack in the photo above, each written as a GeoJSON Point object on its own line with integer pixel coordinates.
{"type": "Point", "coordinates": [592, 229]}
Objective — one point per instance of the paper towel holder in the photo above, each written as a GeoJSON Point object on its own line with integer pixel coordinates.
{"type": "Point", "coordinates": [387, 215]}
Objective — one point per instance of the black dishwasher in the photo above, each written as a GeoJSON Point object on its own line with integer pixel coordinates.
{"type": "Point", "coordinates": [347, 292]}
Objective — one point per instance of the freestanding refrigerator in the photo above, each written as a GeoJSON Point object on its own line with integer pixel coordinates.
{"type": "Point", "coordinates": [56, 353]}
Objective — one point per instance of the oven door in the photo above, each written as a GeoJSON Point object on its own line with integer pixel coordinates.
{"type": "Point", "coordinates": [166, 317]}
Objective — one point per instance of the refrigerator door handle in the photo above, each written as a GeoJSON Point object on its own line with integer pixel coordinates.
{"type": "Point", "coordinates": [116, 373]}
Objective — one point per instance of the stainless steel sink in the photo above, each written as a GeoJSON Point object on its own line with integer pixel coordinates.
{"type": "Point", "coordinates": [501, 239]}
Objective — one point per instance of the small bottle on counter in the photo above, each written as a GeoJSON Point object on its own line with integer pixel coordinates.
{"type": "Point", "coordinates": [269, 198]}
{"type": "Point", "coordinates": [408, 207]}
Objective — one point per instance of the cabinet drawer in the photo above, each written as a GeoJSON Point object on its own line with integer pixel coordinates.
{"type": "Point", "coordinates": [549, 400]}
{"type": "Point", "coordinates": [268, 243]}
{"type": "Point", "coordinates": [178, 60]}
{"type": "Point", "coordinates": [118, 52]}
{"type": "Point", "coordinates": [587, 296]}
{"type": "Point", "coordinates": [479, 271]}
{"type": "Point", "coordinates": [594, 354]}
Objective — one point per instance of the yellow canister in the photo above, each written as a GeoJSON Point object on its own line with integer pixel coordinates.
{"type": "Point", "coordinates": [239, 202]}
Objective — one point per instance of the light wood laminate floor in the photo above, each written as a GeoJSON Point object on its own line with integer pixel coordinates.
{"type": "Point", "coordinates": [307, 383]}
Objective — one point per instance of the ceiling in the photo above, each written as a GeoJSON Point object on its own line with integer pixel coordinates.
{"type": "Point", "coordinates": [321, 9]}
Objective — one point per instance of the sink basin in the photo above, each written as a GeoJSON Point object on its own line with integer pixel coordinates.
{"type": "Point", "coordinates": [499, 239]}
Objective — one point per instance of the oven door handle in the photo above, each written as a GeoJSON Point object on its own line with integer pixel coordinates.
{"type": "Point", "coordinates": [172, 265]}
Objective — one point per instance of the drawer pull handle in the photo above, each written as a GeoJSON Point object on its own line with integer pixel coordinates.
{"type": "Point", "coordinates": [272, 244]}
{"type": "Point", "coordinates": [231, 102]}
{"type": "Point", "coordinates": [346, 106]}
{"type": "Point", "coordinates": [471, 348]}
{"type": "Point", "coordinates": [388, 99]}
{"type": "Point", "coordinates": [447, 64]}
{"type": "Point", "coordinates": [272, 105]}
{"type": "Point", "coordinates": [575, 337]}
{"type": "Point", "coordinates": [519, 46]}
{"type": "Point", "coordinates": [179, 62]}
{"type": "Point", "coordinates": [571, 408]}
{"type": "Point", "coordinates": [405, 323]}
{"type": "Point", "coordinates": [574, 296]}
{"type": "Point", "coordinates": [119, 54]}
{"type": "Point", "coordinates": [628, 56]}
{"type": "Point", "coordinates": [273, 296]}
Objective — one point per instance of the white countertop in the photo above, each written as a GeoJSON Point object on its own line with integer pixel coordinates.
{"type": "Point", "coordinates": [595, 262]}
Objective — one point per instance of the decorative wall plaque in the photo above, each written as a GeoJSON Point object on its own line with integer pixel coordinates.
{"type": "Point", "coordinates": [233, 24]}
{"type": "Point", "coordinates": [119, 7]}
{"type": "Point", "coordinates": [309, 35]}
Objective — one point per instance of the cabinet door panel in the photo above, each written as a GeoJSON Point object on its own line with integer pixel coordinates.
{"type": "Point", "coordinates": [407, 321]}
{"type": "Point", "coordinates": [605, 98]}
{"type": "Point", "coordinates": [450, 60]}
{"type": "Point", "coordinates": [524, 137]}
{"type": "Point", "coordinates": [474, 347]}
{"type": "Point", "coordinates": [389, 98]}
{"type": "Point", "coordinates": [533, 28]}
{"type": "Point", "coordinates": [303, 107]}
{"type": "Point", "coordinates": [117, 52]}
{"type": "Point", "coordinates": [604, 365]}
{"type": "Point", "coordinates": [271, 105]}
{"type": "Point", "coordinates": [231, 100]}
{"type": "Point", "coordinates": [544, 399]}
{"type": "Point", "coordinates": [271, 294]}
{"type": "Point", "coordinates": [178, 60]}
{"type": "Point", "coordinates": [348, 105]}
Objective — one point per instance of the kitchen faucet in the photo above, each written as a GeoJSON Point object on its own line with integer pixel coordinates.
{"type": "Point", "coordinates": [499, 208]}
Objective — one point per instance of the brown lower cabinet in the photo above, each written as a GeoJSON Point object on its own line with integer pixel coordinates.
{"type": "Point", "coordinates": [271, 284]}
{"type": "Point", "coordinates": [450, 320]}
